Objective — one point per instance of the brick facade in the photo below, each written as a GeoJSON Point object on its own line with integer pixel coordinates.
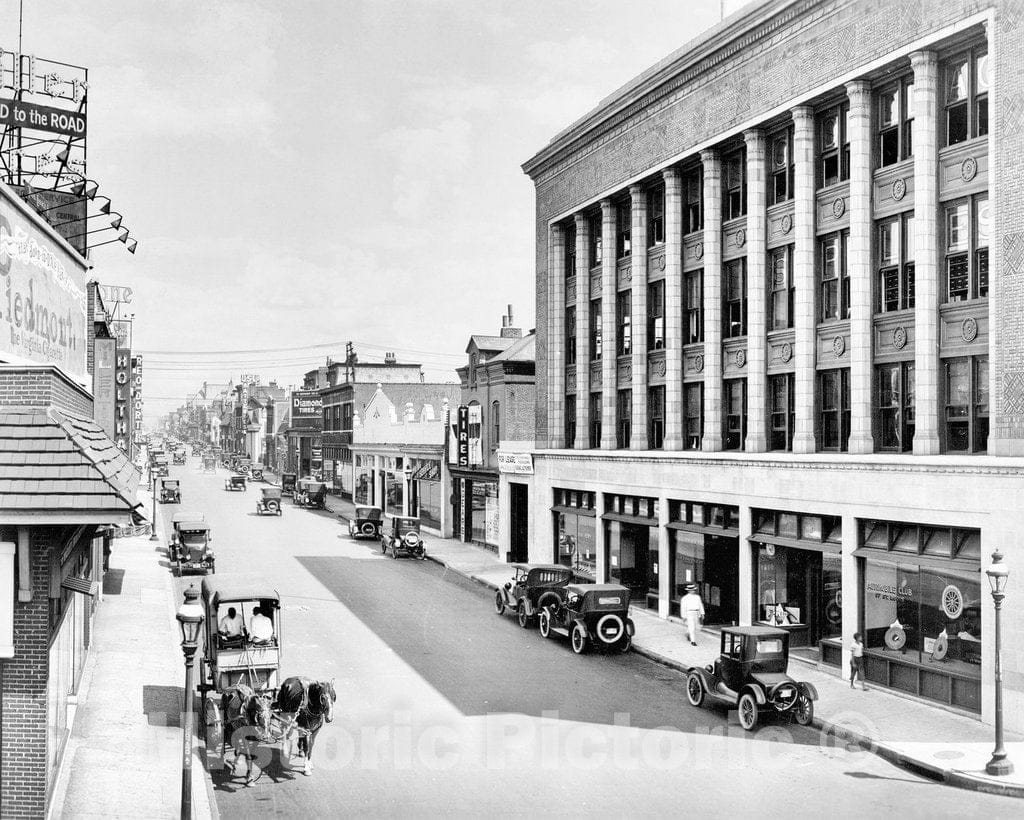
{"type": "Point", "coordinates": [42, 386]}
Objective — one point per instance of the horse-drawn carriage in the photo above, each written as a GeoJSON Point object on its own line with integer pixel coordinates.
{"type": "Point", "coordinates": [170, 491]}
{"type": "Point", "coordinates": [189, 547]}
{"type": "Point", "coordinates": [269, 501]}
{"type": "Point", "coordinates": [310, 493]}
{"type": "Point", "coordinates": [240, 684]}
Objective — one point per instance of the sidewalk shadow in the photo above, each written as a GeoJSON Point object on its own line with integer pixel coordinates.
{"type": "Point", "coordinates": [268, 764]}
{"type": "Point", "coordinates": [113, 580]}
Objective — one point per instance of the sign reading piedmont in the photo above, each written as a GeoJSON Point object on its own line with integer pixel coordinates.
{"type": "Point", "coordinates": [18, 114]}
{"type": "Point", "coordinates": [515, 463]}
{"type": "Point", "coordinates": [42, 296]}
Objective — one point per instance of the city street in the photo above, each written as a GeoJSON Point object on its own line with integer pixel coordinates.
{"type": "Point", "coordinates": [445, 708]}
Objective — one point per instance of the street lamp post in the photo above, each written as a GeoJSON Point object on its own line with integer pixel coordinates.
{"type": "Point", "coordinates": [998, 573]}
{"type": "Point", "coordinates": [190, 619]}
{"type": "Point", "coordinates": [152, 535]}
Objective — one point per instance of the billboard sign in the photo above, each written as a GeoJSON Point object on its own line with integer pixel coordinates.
{"type": "Point", "coordinates": [515, 463]}
{"type": "Point", "coordinates": [306, 404]}
{"type": "Point", "coordinates": [19, 114]}
{"type": "Point", "coordinates": [42, 296]}
{"type": "Point", "coordinates": [103, 385]}
{"type": "Point", "coordinates": [65, 212]}
{"type": "Point", "coordinates": [122, 330]}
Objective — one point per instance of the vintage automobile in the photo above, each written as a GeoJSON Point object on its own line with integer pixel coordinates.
{"type": "Point", "coordinates": [243, 466]}
{"type": "Point", "coordinates": [179, 457]}
{"type": "Point", "coordinates": [235, 482]}
{"type": "Point", "coordinates": [159, 467]}
{"type": "Point", "coordinates": [750, 676]}
{"type": "Point", "coordinates": [366, 522]}
{"type": "Point", "coordinates": [310, 493]}
{"type": "Point", "coordinates": [592, 615]}
{"type": "Point", "coordinates": [256, 472]}
{"type": "Point", "coordinates": [189, 547]}
{"type": "Point", "coordinates": [533, 587]}
{"type": "Point", "coordinates": [170, 491]}
{"type": "Point", "coordinates": [269, 501]}
{"type": "Point", "coordinates": [288, 483]}
{"type": "Point", "coordinates": [209, 464]}
{"type": "Point", "coordinates": [404, 538]}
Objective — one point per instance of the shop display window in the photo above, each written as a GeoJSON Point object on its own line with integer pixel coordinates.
{"type": "Point", "coordinates": [577, 542]}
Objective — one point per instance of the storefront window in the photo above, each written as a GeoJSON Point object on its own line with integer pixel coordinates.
{"type": "Point", "coordinates": [485, 512]}
{"type": "Point", "coordinates": [393, 489]}
{"type": "Point", "coordinates": [361, 490]}
{"type": "Point", "coordinates": [430, 503]}
{"type": "Point", "coordinates": [576, 544]}
{"type": "Point", "coordinates": [627, 546]}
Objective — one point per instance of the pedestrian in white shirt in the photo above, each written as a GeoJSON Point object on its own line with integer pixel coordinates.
{"type": "Point", "coordinates": [692, 609]}
{"type": "Point", "coordinates": [261, 628]}
{"type": "Point", "coordinates": [231, 624]}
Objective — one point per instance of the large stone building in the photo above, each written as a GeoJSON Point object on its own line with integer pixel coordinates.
{"type": "Point", "coordinates": [771, 357]}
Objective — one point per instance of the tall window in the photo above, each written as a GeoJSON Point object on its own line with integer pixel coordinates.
{"type": "Point", "coordinates": [693, 188]}
{"type": "Point", "coordinates": [834, 412]}
{"type": "Point", "coordinates": [834, 145]}
{"type": "Point", "coordinates": [624, 229]}
{"type": "Point", "coordinates": [896, 263]}
{"type": "Point", "coordinates": [570, 423]}
{"type": "Point", "coordinates": [693, 423]}
{"type": "Point", "coordinates": [780, 170]}
{"type": "Point", "coordinates": [781, 390]}
{"type": "Point", "coordinates": [780, 289]}
{"type": "Point", "coordinates": [623, 323]}
{"type": "Point", "coordinates": [966, 391]}
{"type": "Point", "coordinates": [694, 330]}
{"type": "Point", "coordinates": [570, 335]}
{"type": "Point", "coordinates": [735, 413]}
{"type": "Point", "coordinates": [656, 216]}
{"type": "Point", "coordinates": [968, 230]}
{"type": "Point", "coordinates": [655, 418]}
{"type": "Point", "coordinates": [896, 122]}
{"type": "Point", "coordinates": [570, 250]}
{"type": "Point", "coordinates": [967, 78]}
{"type": "Point", "coordinates": [623, 418]}
{"type": "Point", "coordinates": [656, 315]}
{"type": "Point", "coordinates": [596, 239]}
{"type": "Point", "coordinates": [835, 276]}
{"type": "Point", "coordinates": [496, 420]}
{"type": "Point", "coordinates": [735, 298]}
{"type": "Point", "coordinates": [596, 343]}
{"type": "Point", "coordinates": [595, 420]}
{"type": "Point", "coordinates": [735, 200]}
{"type": "Point", "coordinates": [896, 406]}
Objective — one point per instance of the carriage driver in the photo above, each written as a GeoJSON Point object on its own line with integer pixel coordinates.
{"type": "Point", "coordinates": [231, 624]}
{"type": "Point", "coordinates": [261, 628]}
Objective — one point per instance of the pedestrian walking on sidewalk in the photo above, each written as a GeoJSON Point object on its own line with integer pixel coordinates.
{"type": "Point", "coordinates": [692, 609]}
{"type": "Point", "coordinates": [857, 661]}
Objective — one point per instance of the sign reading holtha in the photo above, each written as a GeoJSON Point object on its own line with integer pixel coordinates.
{"type": "Point", "coordinates": [42, 296]}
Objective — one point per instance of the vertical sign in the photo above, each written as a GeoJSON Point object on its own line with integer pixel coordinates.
{"type": "Point", "coordinates": [103, 385]}
{"type": "Point", "coordinates": [462, 428]}
{"type": "Point", "coordinates": [475, 434]}
{"type": "Point", "coordinates": [123, 400]}
{"type": "Point", "coordinates": [136, 398]}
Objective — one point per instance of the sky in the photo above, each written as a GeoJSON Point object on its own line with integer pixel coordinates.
{"type": "Point", "coordinates": [302, 174]}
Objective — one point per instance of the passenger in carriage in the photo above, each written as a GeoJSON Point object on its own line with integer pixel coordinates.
{"type": "Point", "coordinates": [232, 629]}
{"type": "Point", "coordinates": [261, 628]}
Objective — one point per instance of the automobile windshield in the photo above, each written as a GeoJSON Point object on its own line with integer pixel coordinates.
{"type": "Point", "coordinates": [194, 538]}
{"type": "Point", "coordinates": [769, 646]}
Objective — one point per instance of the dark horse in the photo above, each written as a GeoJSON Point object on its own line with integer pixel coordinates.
{"type": "Point", "coordinates": [248, 714]}
{"type": "Point", "coordinates": [311, 703]}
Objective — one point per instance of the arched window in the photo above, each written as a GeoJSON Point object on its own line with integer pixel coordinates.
{"type": "Point", "coordinates": [495, 424]}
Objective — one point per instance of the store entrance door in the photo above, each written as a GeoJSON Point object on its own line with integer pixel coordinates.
{"type": "Point", "coordinates": [721, 589]}
{"type": "Point", "coordinates": [519, 519]}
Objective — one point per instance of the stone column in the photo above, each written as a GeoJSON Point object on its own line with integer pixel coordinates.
{"type": "Point", "coordinates": [608, 290]}
{"type": "Point", "coordinates": [582, 332]}
{"type": "Point", "coordinates": [556, 337]}
{"type": "Point", "coordinates": [859, 267]}
{"type": "Point", "coordinates": [803, 277]}
{"type": "Point", "coordinates": [638, 304]}
{"type": "Point", "coordinates": [712, 162]}
{"type": "Point", "coordinates": [673, 310]}
{"type": "Point", "coordinates": [851, 588]}
{"type": "Point", "coordinates": [601, 564]}
{"type": "Point", "coordinates": [926, 252]}
{"type": "Point", "coordinates": [757, 285]}
{"type": "Point", "coordinates": [745, 573]}
{"type": "Point", "coordinates": [664, 562]}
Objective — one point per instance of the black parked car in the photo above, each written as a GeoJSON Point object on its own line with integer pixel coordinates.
{"type": "Point", "coordinates": [750, 676]}
{"type": "Point", "coordinates": [533, 587]}
{"type": "Point", "coordinates": [404, 538]}
{"type": "Point", "coordinates": [592, 615]}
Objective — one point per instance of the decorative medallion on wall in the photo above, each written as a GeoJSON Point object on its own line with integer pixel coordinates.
{"type": "Point", "coordinates": [570, 291]}
{"type": "Point", "coordinates": [968, 169]}
{"type": "Point", "coordinates": [838, 346]}
{"type": "Point", "coordinates": [570, 383]}
{"type": "Point", "coordinates": [969, 329]}
{"type": "Point", "coordinates": [787, 223]}
{"type": "Point", "coordinates": [698, 363]}
{"type": "Point", "coordinates": [786, 351]}
{"type": "Point", "coordinates": [659, 367]}
{"type": "Point", "coordinates": [899, 338]}
{"type": "Point", "coordinates": [625, 373]}
{"type": "Point", "coordinates": [740, 358]}
{"type": "Point", "coordinates": [741, 238]}
{"type": "Point", "coordinates": [661, 263]}
{"type": "Point", "coordinates": [839, 208]}
{"type": "Point", "coordinates": [899, 189]}
{"type": "Point", "coordinates": [698, 250]}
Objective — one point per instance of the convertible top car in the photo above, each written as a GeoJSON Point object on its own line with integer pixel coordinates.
{"type": "Point", "coordinates": [593, 615]}
{"type": "Point", "coordinates": [533, 586]}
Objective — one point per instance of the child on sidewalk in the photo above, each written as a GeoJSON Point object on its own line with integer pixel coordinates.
{"type": "Point", "coordinates": [857, 661]}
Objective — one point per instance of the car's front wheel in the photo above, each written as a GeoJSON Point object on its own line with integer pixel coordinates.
{"type": "Point", "coordinates": [545, 623]}
{"type": "Point", "coordinates": [803, 711]}
{"type": "Point", "coordinates": [521, 614]}
{"type": "Point", "coordinates": [499, 603]}
{"type": "Point", "coordinates": [694, 689]}
{"type": "Point", "coordinates": [747, 708]}
{"type": "Point", "coordinates": [579, 639]}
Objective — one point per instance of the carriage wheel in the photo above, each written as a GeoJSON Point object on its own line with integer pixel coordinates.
{"type": "Point", "coordinates": [213, 723]}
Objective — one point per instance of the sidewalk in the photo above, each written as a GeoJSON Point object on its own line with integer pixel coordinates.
{"type": "Point", "coordinates": [908, 733]}
{"type": "Point", "coordinates": [123, 758]}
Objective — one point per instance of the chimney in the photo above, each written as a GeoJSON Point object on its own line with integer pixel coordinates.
{"type": "Point", "coordinates": [389, 358]}
{"type": "Point", "coordinates": [507, 331]}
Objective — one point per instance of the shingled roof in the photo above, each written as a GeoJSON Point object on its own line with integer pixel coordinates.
{"type": "Point", "coordinates": [56, 467]}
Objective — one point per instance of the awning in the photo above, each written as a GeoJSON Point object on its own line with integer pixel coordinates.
{"type": "Point", "coordinates": [428, 472]}
{"type": "Point", "coordinates": [82, 585]}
